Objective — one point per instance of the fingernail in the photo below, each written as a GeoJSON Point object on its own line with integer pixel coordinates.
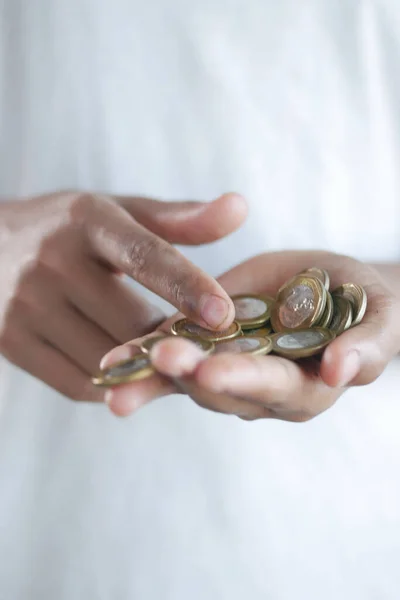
{"type": "Point", "coordinates": [116, 355]}
{"type": "Point", "coordinates": [214, 310]}
{"type": "Point", "coordinates": [351, 368]}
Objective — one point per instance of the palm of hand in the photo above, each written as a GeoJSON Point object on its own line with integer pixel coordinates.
{"type": "Point", "coordinates": [253, 387]}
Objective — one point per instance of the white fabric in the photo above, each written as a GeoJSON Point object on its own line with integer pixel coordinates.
{"type": "Point", "coordinates": [295, 105]}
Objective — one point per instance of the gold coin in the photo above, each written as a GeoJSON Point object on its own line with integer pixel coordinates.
{"type": "Point", "coordinates": [357, 296]}
{"type": "Point", "coordinates": [259, 332]}
{"type": "Point", "coordinates": [252, 310]}
{"type": "Point", "coordinates": [328, 312]}
{"type": "Point", "coordinates": [301, 344]}
{"type": "Point", "coordinates": [244, 344]}
{"type": "Point", "coordinates": [320, 274]}
{"type": "Point", "coordinates": [133, 369]}
{"type": "Point", "coordinates": [148, 343]}
{"type": "Point", "coordinates": [187, 328]}
{"type": "Point", "coordinates": [299, 305]}
{"type": "Point", "coordinates": [342, 315]}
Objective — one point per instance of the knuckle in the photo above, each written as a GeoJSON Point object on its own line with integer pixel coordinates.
{"type": "Point", "coordinates": [79, 206]}
{"type": "Point", "coordinates": [140, 255]}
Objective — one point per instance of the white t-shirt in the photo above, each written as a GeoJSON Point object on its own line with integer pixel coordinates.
{"type": "Point", "coordinates": [296, 106]}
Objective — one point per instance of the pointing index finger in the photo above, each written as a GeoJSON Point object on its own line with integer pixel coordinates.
{"type": "Point", "coordinates": [120, 241]}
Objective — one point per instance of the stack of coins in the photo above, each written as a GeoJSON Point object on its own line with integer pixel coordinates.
{"type": "Point", "coordinates": [300, 322]}
{"type": "Point", "coordinates": [307, 316]}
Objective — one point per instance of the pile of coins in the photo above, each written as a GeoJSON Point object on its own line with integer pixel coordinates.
{"type": "Point", "coordinates": [300, 322]}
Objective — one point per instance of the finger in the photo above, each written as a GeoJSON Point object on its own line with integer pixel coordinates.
{"type": "Point", "coordinates": [285, 388]}
{"type": "Point", "coordinates": [360, 355]}
{"type": "Point", "coordinates": [48, 364]}
{"type": "Point", "coordinates": [176, 357]}
{"type": "Point", "coordinates": [226, 404]}
{"type": "Point", "coordinates": [188, 223]}
{"type": "Point", "coordinates": [118, 240]}
{"type": "Point", "coordinates": [110, 303]}
{"type": "Point", "coordinates": [245, 385]}
{"type": "Point", "coordinates": [126, 399]}
{"type": "Point", "coordinates": [75, 336]}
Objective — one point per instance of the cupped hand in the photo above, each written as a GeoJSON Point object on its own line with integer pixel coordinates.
{"type": "Point", "coordinates": [254, 387]}
{"type": "Point", "coordinates": [63, 304]}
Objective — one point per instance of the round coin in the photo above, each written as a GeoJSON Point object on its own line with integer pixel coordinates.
{"type": "Point", "coordinates": [357, 296]}
{"type": "Point", "coordinates": [301, 344]}
{"type": "Point", "coordinates": [300, 304]}
{"type": "Point", "coordinates": [187, 328]}
{"type": "Point", "coordinates": [342, 315]}
{"type": "Point", "coordinates": [248, 345]}
{"type": "Point", "coordinates": [252, 310]}
{"type": "Point", "coordinates": [133, 369]}
{"type": "Point", "coordinates": [148, 343]}
{"type": "Point", "coordinates": [259, 332]}
{"type": "Point", "coordinates": [328, 312]}
{"type": "Point", "coordinates": [320, 274]}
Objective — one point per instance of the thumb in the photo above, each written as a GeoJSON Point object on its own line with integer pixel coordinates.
{"type": "Point", "coordinates": [188, 223]}
{"type": "Point", "coordinates": [360, 355]}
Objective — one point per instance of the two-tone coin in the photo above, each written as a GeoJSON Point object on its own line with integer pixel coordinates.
{"type": "Point", "coordinates": [149, 342]}
{"type": "Point", "coordinates": [342, 315]}
{"type": "Point", "coordinates": [357, 296]}
{"type": "Point", "coordinates": [302, 344]}
{"type": "Point", "coordinates": [320, 274]}
{"type": "Point", "coordinates": [328, 312]}
{"type": "Point", "coordinates": [244, 344]}
{"type": "Point", "coordinates": [126, 371]}
{"type": "Point", "coordinates": [187, 328]}
{"type": "Point", "coordinates": [252, 310]}
{"type": "Point", "coordinates": [259, 332]}
{"type": "Point", "coordinates": [300, 304]}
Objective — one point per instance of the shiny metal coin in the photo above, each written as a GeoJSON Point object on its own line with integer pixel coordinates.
{"type": "Point", "coordinates": [259, 332]}
{"type": "Point", "coordinates": [342, 315]}
{"type": "Point", "coordinates": [328, 312]}
{"type": "Point", "coordinates": [320, 274]}
{"type": "Point", "coordinates": [244, 344]}
{"type": "Point", "coordinates": [148, 343]}
{"type": "Point", "coordinates": [252, 310]}
{"type": "Point", "coordinates": [300, 304]}
{"type": "Point", "coordinates": [301, 344]}
{"type": "Point", "coordinates": [133, 369]}
{"type": "Point", "coordinates": [357, 296]}
{"type": "Point", "coordinates": [187, 328]}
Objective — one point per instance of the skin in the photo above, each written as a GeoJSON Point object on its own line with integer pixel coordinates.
{"type": "Point", "coordinates": [63, 302]}
{"type": "Point", "coordinates": [254, 387]}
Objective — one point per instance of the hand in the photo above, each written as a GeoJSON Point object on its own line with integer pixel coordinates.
{"type": "Point", "coordinates": [63, 304]}
{"type": "Point", "coordinates": [254, 387]}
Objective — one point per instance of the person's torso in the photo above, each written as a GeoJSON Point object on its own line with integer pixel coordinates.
{"type": "Point", "coordinates": [294, 105]}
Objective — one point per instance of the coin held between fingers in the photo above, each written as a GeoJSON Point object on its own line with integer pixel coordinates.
{"type": "Point", "coordinates": [132, 369]}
